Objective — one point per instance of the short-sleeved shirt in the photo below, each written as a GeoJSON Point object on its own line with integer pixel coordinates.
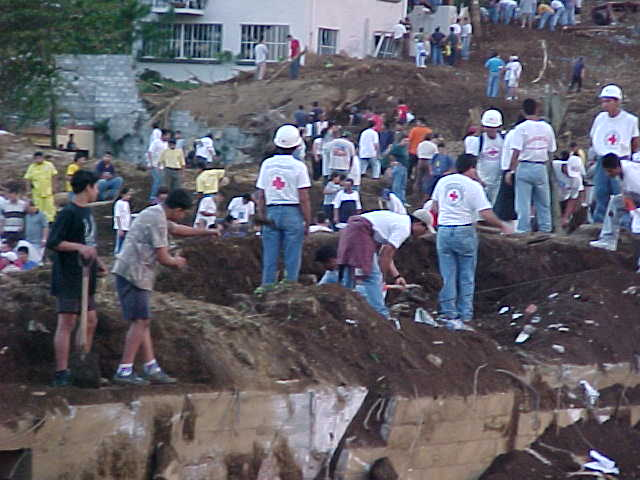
{"type": "Point", "coordinates": [40, 175]}
{"type": "Point", "coordinates": [395, 205]}
{"type": "Point", "coordinates": [630, 177]}
{"type": "Point", "coordinates": [71, 169]}
{"type": "Point", "coordinates": [137, 259]}
{"type": "Point", "coordinates": [614, 134]}
{"type": "Point", "coordinates": [280, 177]}
{"type": "Point", "coordinates": [208, 181]}
{"type": "Point", "coordinates": [416, 135]}
{"type": "Point", "coordinates": [491, 147]}
{"type": "Point", "coordinates": [208, 205]}
{"type": "Point", "coordinates": [398, 30]}
{"type": "Point", "coordinates": [34, 226]}
{"type": "Point", "coordinates": [122, 211]}
{"type": "Point", "coordinates": [441, 163]}
{"type": "Point", "coordinates": [205, 148]}
{"type": "Point", "coordinates": [459, 200]}
{"type": "Point", "coordinates": [494, 64]}
{"type": "Point", "coordinates": [467, 30]}
{"type": "Point", "coordinates": [389, 228]}
{"type": "Point", "coordinates": [333, 188]}
{"type": "Point", "coordinates": [400, 154]}
{"type": "Point", "coordinates": [102, 167]}
{"type": "Point", "coordinates": [262, 52]}
{"type": "Point", "coordinates": [155, 150]}
{"type": "Point", "coordinates": [13, 214]}
{"type": "Point", "coordinates": [73, 224]}
{"type": "Point", "coordinates": [426, 150]}
{"type": "Point", "coordinates": [241, 211]}
{"type": "Point", "coordinates": [368, 141]}
{"type": "Point", "coordinates": [341, 153]}
{"type": "Point", "coordinates": [172, 158]}
{"type": "Point", "coordinates": [535, 139]}
{"type": "Point", "coordinates": [343, 196]}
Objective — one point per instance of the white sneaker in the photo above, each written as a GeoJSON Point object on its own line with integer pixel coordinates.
{"type": "Point", "coordinates": [604, 244]}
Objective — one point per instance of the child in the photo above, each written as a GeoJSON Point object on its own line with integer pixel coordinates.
{"type": "Point", "coordinates": [206, 214]}
{"type": "Point", "coordinates": [36, 231]}
{"type": "Point", "coordinates": [11, 263]}
{"type": "Point", "coordinates": [23, 258]}
{"type": "Point", "coordinates": [121, 218]}
{"type": "Point", "coordinates": [346, 203]}
{"type": "Point", "coordinates": [79, 159]}
{"type": "Point", "coordinates": [333, 186]}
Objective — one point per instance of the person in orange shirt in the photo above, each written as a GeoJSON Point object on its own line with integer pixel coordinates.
{"type": "Point", "coordinates": [416, 135]}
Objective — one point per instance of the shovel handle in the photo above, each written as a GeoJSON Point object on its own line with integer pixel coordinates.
{"type": "Point", "coordinates": [81, 333]}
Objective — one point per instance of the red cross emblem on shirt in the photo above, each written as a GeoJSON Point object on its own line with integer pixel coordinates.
{"type": "Point", "coordinates": [278, 183]}
{"type": "Point", "coordinates": [454, 195]}
{"type": "Point", "coordinates": [612, 139]}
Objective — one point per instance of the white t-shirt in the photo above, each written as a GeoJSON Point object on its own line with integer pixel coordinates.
{"type": "Point", "coordinates": [262, 52]}
{"type": "Point", "coordinates": [467, 30]}
{"type": "Point", "coordinates": [457, 29]}
{"type": "Point", "coordinates": [355, 174]}
{"type": "Point", "coordinates": [341, 153]}
{"type": "Point", "coordinates": [316, 148]}
{"type": "Point", "coordinates": [319, 228]}
{"type": "Point", "coordinates": [395, 205]}
{"type": "Point", "coordinates": [241, 211]}
{"type": "Point", "coordinates": [470, 142]}
{"type": "Point", "coordinates": [208, 205]}
{"type": "Point", "coordinates": [388, 227]}
{"type": "Point", "coordinates": [507, 151]}
{"type": "Point", "coordinates": [512, 72]}
{"type": "Point", "coordinates": [280, 177]}
{"type": "Point", "coordinates": [459, 200]}
{"type": "Point", "coordinates": [614, 134]}
{"type": "Point", "coordinates": [155, 149]}
{"type": "Point", "coordinates": [630, 177]}
{"type": "Point", "coordinates": [399, 30]}
{"type": "Point", "coordinates": [535, 139]}
{"type": "Point", "coordinates": [343, 196]}
{"type": "Point", "coordinates": [570, 183]}
{"type": "Point", "coordinates": [426, 150]}
{"type": "Point", "coordinates": [368, 141]}
{"type": "Point", "coordinates": [491, 147]}
{"type": "Point", "coordinates": [205, 148]}
{"type": "Point", "coordinates": [122, 210]}
{"type": "Point", "coordinates": [155, 133]}
{"type": "Point", "coordinates": [556, 4]}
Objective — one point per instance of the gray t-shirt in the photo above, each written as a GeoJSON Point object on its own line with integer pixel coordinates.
{"type": "Point", "coordinates": [136, 262]}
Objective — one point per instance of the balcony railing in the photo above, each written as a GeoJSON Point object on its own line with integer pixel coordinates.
{"type": "Point", "coordinates": [183, 7]}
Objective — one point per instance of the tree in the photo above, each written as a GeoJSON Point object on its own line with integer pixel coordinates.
{"type": "Point", "coordinates": [33, 32]}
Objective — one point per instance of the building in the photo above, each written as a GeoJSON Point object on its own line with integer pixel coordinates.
{"type": "Point", "coordinates": [223, 32]}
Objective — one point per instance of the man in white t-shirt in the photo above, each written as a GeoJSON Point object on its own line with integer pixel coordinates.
{"type": "Point", "coordinates": [458, 199]}
{"type": "Point", "coordinates": [261, 55]}
{"type": "Point", "coordinates": [242, 209]}
{"type": "Point", "coordinates": [205, 151]}
{"type": "Point", "coordinates": [207, 212]}
{"type": "Point", "coordinates": [283, 204]}
{"type": "Point", "coordinates": [341, 154]}
{"type": "Point", "coordinates": [533, 140]}
{"type": "Point", "coordinates": [613, 131]}
{"type": "Point", "coordinates": [158, 145]}
{"type": "Point", "coordinates": [628, 201]}
{"type": "Point", "coordinates": [568, 170]}
{"type": "Point", "coordinates": [367, 247]}
{"type": "Point", "coordinates": [399, 31]}
{"type": "Point", "coordinates": [425, 152]}
{"type": "Point", "coordinates": [488, 148]}
{"type": "Point", "coordinates": [512, 73]}
{"type": "Point", "coordinates": [392, 202]}
{"type": "Point", "coordinates": [465, 37]}
{"type": "Point", "coordinates": [369, 151]}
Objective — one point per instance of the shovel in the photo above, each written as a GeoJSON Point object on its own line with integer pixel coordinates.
{"type": "Point", "coordinates": [85, 365]}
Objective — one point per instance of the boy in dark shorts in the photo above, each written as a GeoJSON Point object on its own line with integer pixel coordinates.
{"type": "Point", "coordinates": [73, 240]}
{"type": "Point", "coordinates": [148, 244]}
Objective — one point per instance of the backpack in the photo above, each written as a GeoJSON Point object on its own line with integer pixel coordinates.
{"type": "Point", "coordinates": [481, 142]}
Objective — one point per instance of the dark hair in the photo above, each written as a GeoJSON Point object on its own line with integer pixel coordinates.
{"type": "Point", "coordinates": [14, 187]}
{"type": "Point", "coordinates": [441, 145]}
{"type": "Point", "coordinates": [301, 107]}
{"type": "Point", "coordinates": [530, 106]}
{"type": "Point", "coordinates": [123, 192]}
{"type": "Point", "coordinates": [79, 155]}
{"type": "Point", "coordinates": [285, 151]}
{"type": "Point", "coordinates": [323, 132]}
{"type": "Point", "coordinates": [371, 124]}
{"type": "Point", "coordinates": [23, 249]}
{"type": "Point", "coordinates": [564, 155]}
{"type": "Point", "coordinates": [466, 162]}
{"type": "Point", "coordinates": [172, 141]}
{"type": "Point", "coordinates": [494, 54]}
{"type": "Point", "coordinates": [162, 190]}
{"type": "Point", "coordinates": [348, 180]}
{"type": "Point", "coordinates": [178, 131]}
{"type": "Point", "coordinates": [321, 217]}
{"type": "Point", "coordinates": [333, 175]}
{"type": "Point", "coordinates": [179, 198]}
{"type": "Point", "coordinates": [156, 125]}
{"type": "Point", "coordinates": [83, 179]}
{"type": "Point", "coordinates": [38, 154]}
{"type": "Point", "coordinates": [315, 104]}
{"type": "Point", "coordinates": [325, 253]}
{"type": "Point", "coordinates": [610, 160]}
{"type": "Point", "coordinates": [573, 144]}
{"type": "Point", "coordinates": [247, 196]}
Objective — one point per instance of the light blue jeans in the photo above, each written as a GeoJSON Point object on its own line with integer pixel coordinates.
{"type": "Point", "coordinates": [466, 46]}
{"type": "Point", "coordinates": [544, 18]}
{"type": "Point", "coordinates": [493, 84]}
{"type": "Point", "coordinates": [532, 184]}
{"type": "Point", "coordinates": [108, 189]}
{"type": "Point", "coordinates": [285, 233]}
{"type": "Point", "coordinates": [370, 287]}
{"type": "Point", "coordinates": [506, 13]}
{"type": "Point", "coordinates": [375, 166]}
{"type": "Point", "coordinates": [457, 258]}
{"type": "Point", "coordinates": [436, 55]}
{"type": "Point", "coordinates": [399, 181]}
{"type": "Point", "coordinates": [556, 19]}
{"type": "Point", "coordinates": [605, 186]}
{"type": "Point", "coordinates": [156, 181]}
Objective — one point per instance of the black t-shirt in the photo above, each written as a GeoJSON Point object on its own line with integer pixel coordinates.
{"type": "Point", "coordinates": [436, 38]}
{"type": "Point", "coordinates": [73, 224]}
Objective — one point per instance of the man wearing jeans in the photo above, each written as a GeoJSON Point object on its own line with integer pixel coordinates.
{"type": "Point", "coordinates": [533, 140]}
{"type": "Point", "coordinates": [458, 199]}
{"type": "Point", "coordinates": [613, 131]}
{"type": "Point", "coordinates": [109, 184]}
{"type": "Point", "coordinates": [367, 247]}
{"type": "Point", "coordinates": [369, 151]}
{"type": "Point", "coordinates": [154, 153]}
{"type": "Point", "coordinates": [494, 66]}
{"type": "Point", "coordinates": [284, 189]}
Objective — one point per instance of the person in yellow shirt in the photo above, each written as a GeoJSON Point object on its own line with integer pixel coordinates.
{"type": "Point", "coordinates": [40, 179]}
{"type": "Point", "coordinates": [209, 180]}
{"type": "Point", "coordinates": [172, 161]}
{"type": "Point", "coordinates": [78, 161]}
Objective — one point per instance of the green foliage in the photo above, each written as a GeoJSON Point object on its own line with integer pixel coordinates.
{"type": "Point", "coordinates": [33, 32]}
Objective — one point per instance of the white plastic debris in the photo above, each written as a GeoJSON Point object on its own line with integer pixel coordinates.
{"type": "Point", "coordinates": [563, 329]}
{"type": "Point", "coordinates": [435, 360]}
{"type": "Point", "coordinates": [525, 334]}
{"type": "Point", "coordinates": [553, 295]}
{"type": "Point", "coordinates": [438, 342]}
{"type": "Point", "coordinates": [536, 319]}
{"type": "Point", "coordinates": [503, 310]}
{"type": "Point", "coordinates": [558, 348]}
{"type": "Point", "coordinates": [396, 323]}
{"type": "Point", "coordinates": [348, 321]}
{"type": "Point", "coordinates": [632, 290]}
{"type": "Point", "coordinates": [577, 296]}
{"type": "Point", "coordinates": [422, 316]}
{"type": "Point", "coordinates": [591, 394]}
{"type": "Point", "coordinates": [516, 316]}
{"type": "Point", "coordinates": [601, 463]}
{"type": "Point", "coordinates": [3, 350]}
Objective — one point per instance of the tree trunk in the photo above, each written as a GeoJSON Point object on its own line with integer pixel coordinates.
{"type": "Point", "coordinates": [476, 19]}
{"type": "Point", "coordinates": [53, 118]}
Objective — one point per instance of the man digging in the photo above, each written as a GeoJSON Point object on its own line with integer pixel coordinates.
{"type": "Point", "coordinates": [147, 243]}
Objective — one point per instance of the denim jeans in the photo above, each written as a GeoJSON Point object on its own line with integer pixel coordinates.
{"type": "Point", "coordinates": [375, 166]}
{"type": "Point", "coordinates": [532, 183]}
{"type": "Point", "coordinates": [544, 18]}
{"type": "Point", "coordinates": [370, 286]}
{"type": "Point", "coordinates": [605, 186]}
{"type": "Point", "coordinates": [285, 233]}
{"type": "Point", "coordinates": [117, 246]}
{"type": "Point", "coordinates": [570, 15]}
{"type": "Point", "coordinates": [399, 181]}
{"type": "Point", "coordinates": [108, 189]}
{"type": "Point", "coordinates": [466, 45]}
{"type": "Point", "coordinates": [294, 69]}
{"type": "Point", "coordinates": [493, 84]}
{"type": "Point", "coordinates": [506, 13]}
{"type": "Point", "coordinates": [457, 258]}
{"type": "Point", "coordinates": [436, 55]}
{"type": "Point", "coordinates": [494, 14]}
{"type": "Point", "coordinates": [556, 18]}
{"type": "Point", "coordinates": [156, 182]}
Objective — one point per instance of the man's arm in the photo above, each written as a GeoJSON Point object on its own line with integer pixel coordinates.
{"type": "Point", "coordinates": [388, 266]}
{"type": "Point", "coordinates": [635, 144]}
{"type": "Point", "coordinates": [260, 210]}
{"type": "Point", "coordinates": [87, 252]}
{"type": "Point", "coordinates": [45, 235]}
{"type": "Point", "coordinates": [491, 219]}
{"type": "Point", "coordinates": [165, 258]}
{"type": "Point", "coordinates": [179, 230]}
{"type": "Point", "coordinates": [305, 205]}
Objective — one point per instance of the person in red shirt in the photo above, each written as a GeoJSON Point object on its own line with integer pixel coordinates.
{"type": "Point", "coordinates": [294, 56]}
{"type": "Point", "coordinates": [401, 112]}
{"type": "Point", "coordinates": [378, 119]}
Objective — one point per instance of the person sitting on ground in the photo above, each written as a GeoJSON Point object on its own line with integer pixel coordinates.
{"type": "Point", "coordinates": [12, 214]}
{"type": "Point", "coordinates": [109, 184]}
{"type": "Point", "coordinates": [321, 224]}
{"type": "Point", "coordinates": [12, 263]}
{"type": "Point", "coordinates": [206, 213]}
{"type": "Point", "coordinates": [23, 259]}
{"type": "Point", "coordinates": [346, 203]}
{"type": "Point", "coordinates": [79, 159]}
{"type": "Point", "coordinates": [392, 202]}
{"type": "Point", "coordinates": [328, 257]}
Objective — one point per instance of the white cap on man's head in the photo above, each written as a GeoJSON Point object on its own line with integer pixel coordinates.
{"type": "Point", "coordinates": [426, 217]}
{"type": "Point", "coordinates": [611, 91]}
{"type": "Point", "coordinates": [491, 118]}
{"type": "Point", "coordinates": [287, 136]}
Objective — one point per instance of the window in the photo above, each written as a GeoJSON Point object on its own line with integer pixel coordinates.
{"type": "Point", "coordinates": [327, 41]}
{"type": "Point", "coordinates": [201, 41]}
{"type": "Point", "coordinates": [275, 38]}
{"type": "Point", "coordinates": [383, 45]}
{"type": "Point", "coordinates": [196, 4]}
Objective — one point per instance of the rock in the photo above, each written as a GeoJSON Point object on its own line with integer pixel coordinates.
{"type": "Point", "coordinates": [382, 469]}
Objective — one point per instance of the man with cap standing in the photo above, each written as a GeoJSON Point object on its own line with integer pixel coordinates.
{"type": "Point", "coordinates": [488, 148]}
{"type": "Point", "coordinates": [458, 198]}
{"type": "Point", "coordinates": [283, 184]}
{"type": "Point", "coordinates": [613, 131]}
{"type": "Point", "coordinates": [512, 73]}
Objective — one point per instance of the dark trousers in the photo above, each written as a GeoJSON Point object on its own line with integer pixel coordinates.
{"type": "Point", "coordinates": [576, 80]}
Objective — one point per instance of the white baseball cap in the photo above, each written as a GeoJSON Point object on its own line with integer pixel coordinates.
{"type": "Point", "coordinates": [10, 256]}
{"type": "Point", "coordinates": [611, 91]}
{"type": "Point", "coordinates": [426, 217]}
{"type": "Point", "coordinates": [287, 136]}
{"type": "Point", "coordinates": [491, 118]}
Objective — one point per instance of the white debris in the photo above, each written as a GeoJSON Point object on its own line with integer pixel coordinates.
{"type": "Point", "coordinates": [632, 290]}
{"type": "Point", "coordinates": [348, 321]}
{"type": "Point", "coordinates": [563, 329]}
{"type": "Point", "coordinates": [591, 394]}
{"type": "Point", "coordinates": [577, 296]}
{"type": "Point", "coordinates": [601, 463]}
{"type": "Point", "coordinates": [435, 360]}
{"type": "Point", "coordinates": [516, 316]}
{"type": "Point", "coordinates": [525, 334]}
{"type": "Point", "coordinates": [422, 316]}
{"type": "Point", "coordinates": [536, 319]}
{"type": "Point", "coordinates": [438, 342]}
{"type": "Point", "coordinates": [503, 310]}
{"type": "Point", "coordinates": [553, 295]}
{"type": "Point", "coordinates": [558, 348]}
